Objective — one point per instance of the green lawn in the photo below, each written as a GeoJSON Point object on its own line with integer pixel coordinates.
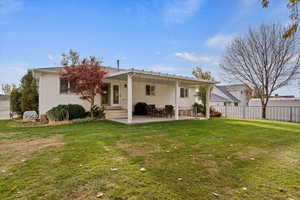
{"type": "Point", "coordinates": [215, 159]}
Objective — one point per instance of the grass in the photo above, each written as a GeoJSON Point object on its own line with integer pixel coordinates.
{"type": "Point", "coordinates": [215, 159]}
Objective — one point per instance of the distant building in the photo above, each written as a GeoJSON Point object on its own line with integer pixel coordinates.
{"type": "Point", "coordinates": [277, 101]}
{"type": "Point", "coordinates": [4, 106]}
{"type": "Point", "coordinates": [230, 95]}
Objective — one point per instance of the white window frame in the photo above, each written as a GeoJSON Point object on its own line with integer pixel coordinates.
{"type": "Point", "coordinates": [185, 93]}
{"type": "Point", "coordinates": [152, 89]}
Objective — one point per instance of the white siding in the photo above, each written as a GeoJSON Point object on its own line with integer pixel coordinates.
{"type": "Point", "coordinates": [164, 95]}
{"type": "Point", "coordinates": [49, 94]}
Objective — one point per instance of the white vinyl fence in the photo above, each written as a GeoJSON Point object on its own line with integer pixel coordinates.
{"type": "Point", "coordinates": [279, 113]}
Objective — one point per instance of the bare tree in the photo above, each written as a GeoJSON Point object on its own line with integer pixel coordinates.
{"type": "Point", "coordinates": [263, 60]}
{"type": "Point", "coordinates": [7, 88]}
{"type": "Point", "coordinates": [292, 5]}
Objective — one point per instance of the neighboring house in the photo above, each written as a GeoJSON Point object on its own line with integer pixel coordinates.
{"type": "Point", "coordinates": [123, 89]}
{"type": "Point", "coordinates": [230, 95]}
{"type": "Point", "coordinates": [4, 107]}
{"type": "Point", "coordinates": [278, 101]}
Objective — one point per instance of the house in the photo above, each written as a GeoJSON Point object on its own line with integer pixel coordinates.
{"type": "Point", "coordinates": [4, 107]}
{"type": "Point", "coordinates": [123, 89]}
{"type": "Point", "coordinates": [230, 95]}
{"type": "Point", "coordinates": [278, 101]}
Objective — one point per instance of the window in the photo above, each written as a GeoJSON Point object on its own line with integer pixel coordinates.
{"type": "Point", "coordinates": [64, 86]}
{"type": "Point", "coordinates": [184, 92]}
{"type": "Point", "coordinates": [236, 104]}
{"type": "Point", "coordinates": [72, 86]}
{"type": "Point", "coordinates": [150, 90]}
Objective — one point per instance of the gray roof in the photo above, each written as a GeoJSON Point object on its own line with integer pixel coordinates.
{"type": "Point", "coordinates": [164, 75]}
{"type": "Point", "coordinates": [117, 72]}
{"type": "Point", "coordinates": [217, 98]}
{"type": "Point", "coordinates": [227, 93]}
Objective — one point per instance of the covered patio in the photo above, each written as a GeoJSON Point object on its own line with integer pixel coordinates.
{"type": "Point", "coordinates": [148, 119]}
{"type": "Point", "coordinates": [170, 96]}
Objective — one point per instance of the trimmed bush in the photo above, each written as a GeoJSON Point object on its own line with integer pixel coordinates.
{"type": "Point", "coordinates": [84, 120]}
{"type": "Point", "coordinates": [76, 111]}
{"type": "Point", "coordinates": [140, 108]}
{"type": "Point", "coordinates": [58, 113]}
{"type": "Point", "coordinates": [66, 112]}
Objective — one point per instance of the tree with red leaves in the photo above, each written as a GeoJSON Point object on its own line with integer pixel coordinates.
{"type": "Point", "coordinates": [84, 75]}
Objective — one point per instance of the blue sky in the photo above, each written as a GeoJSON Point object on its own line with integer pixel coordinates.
{"type": "Point", "coordinates": [170, 36]}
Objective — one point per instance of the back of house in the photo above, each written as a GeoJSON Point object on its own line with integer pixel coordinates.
{"type": "Point", "coordinates": [152, 88]}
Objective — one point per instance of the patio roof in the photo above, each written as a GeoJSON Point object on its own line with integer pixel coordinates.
{"type": "Point", "coordinates": [158, 77]}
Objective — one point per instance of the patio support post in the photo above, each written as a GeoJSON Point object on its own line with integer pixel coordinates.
{"type": "Point", "coordinates": [208, 101]}
{"type": "Point", "coordinates": [129, 98]}
{"type": "Point", "coordinates": [177, 100]}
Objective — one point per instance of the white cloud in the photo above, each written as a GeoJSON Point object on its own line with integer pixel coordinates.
{"type": "Point", "coordinates": [179, 11]}
{"type": "Point", "coordinates": [50, 57]}
{"type": "Point", "coordinates": [197, 58]}
{"type": "Point", "coordinates": [10, 6]}
{"type": "Point", "coordinates": [219, 40]}
{"type": "Point", "coordinates": [163, 68]}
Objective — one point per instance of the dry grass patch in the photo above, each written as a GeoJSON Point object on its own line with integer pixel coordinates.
{"type": "Point", "coordinates": [138, 149]}
{"type": "Point", "coordinates": [21, 150]}
{"type": "Point", "coordinates": [250, 153]}
{"type": "Point", "coordinates": [8, 135]}
{"type": "Point", "coordinates": [81, 193]}
{"type": "Point", "coordinates": [288, 158]}
{"type": "Point", "coordinates": [157, 136]}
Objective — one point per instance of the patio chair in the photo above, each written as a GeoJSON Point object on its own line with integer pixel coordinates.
{"type": "Point", "coordinates": [169, 110]}
{"type": "Point", "coordinates": [151, 110]}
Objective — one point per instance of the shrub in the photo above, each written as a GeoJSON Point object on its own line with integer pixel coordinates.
{"type": "Point", "coordinates": [201, 109]}
{"type": "Point", "coordinates": [58, 113]}
{"type": "Point", "coordinates": [84, 120]}
{"type": "Point", "coordinates": [97, 112]}
{"type": "Point", "coordinates": [15, 101]}
{"type": "Point", "coordinates": [76, 111]}
{"type": "Point", "coordinates": [29, 93]}
{"type": "Point", "coordinates": [66, 112]}
{"type": "Point", "coordinates": [215, 113]}
{"type": "Point", "coordinates": [140, 109]}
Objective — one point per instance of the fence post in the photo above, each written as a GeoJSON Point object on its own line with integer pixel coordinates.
{"type": "Point", "coordinates": [244, 112]}
{"type": "Point", "coordinates": [291, 114]}
{"type": "Point", "coordinates": [225, 110]}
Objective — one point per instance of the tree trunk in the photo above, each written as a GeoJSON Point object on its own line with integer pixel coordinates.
{"type": "Point", "coordinates": [264, 111]}
{"type": "Point", "coordinates": [92, 111]}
